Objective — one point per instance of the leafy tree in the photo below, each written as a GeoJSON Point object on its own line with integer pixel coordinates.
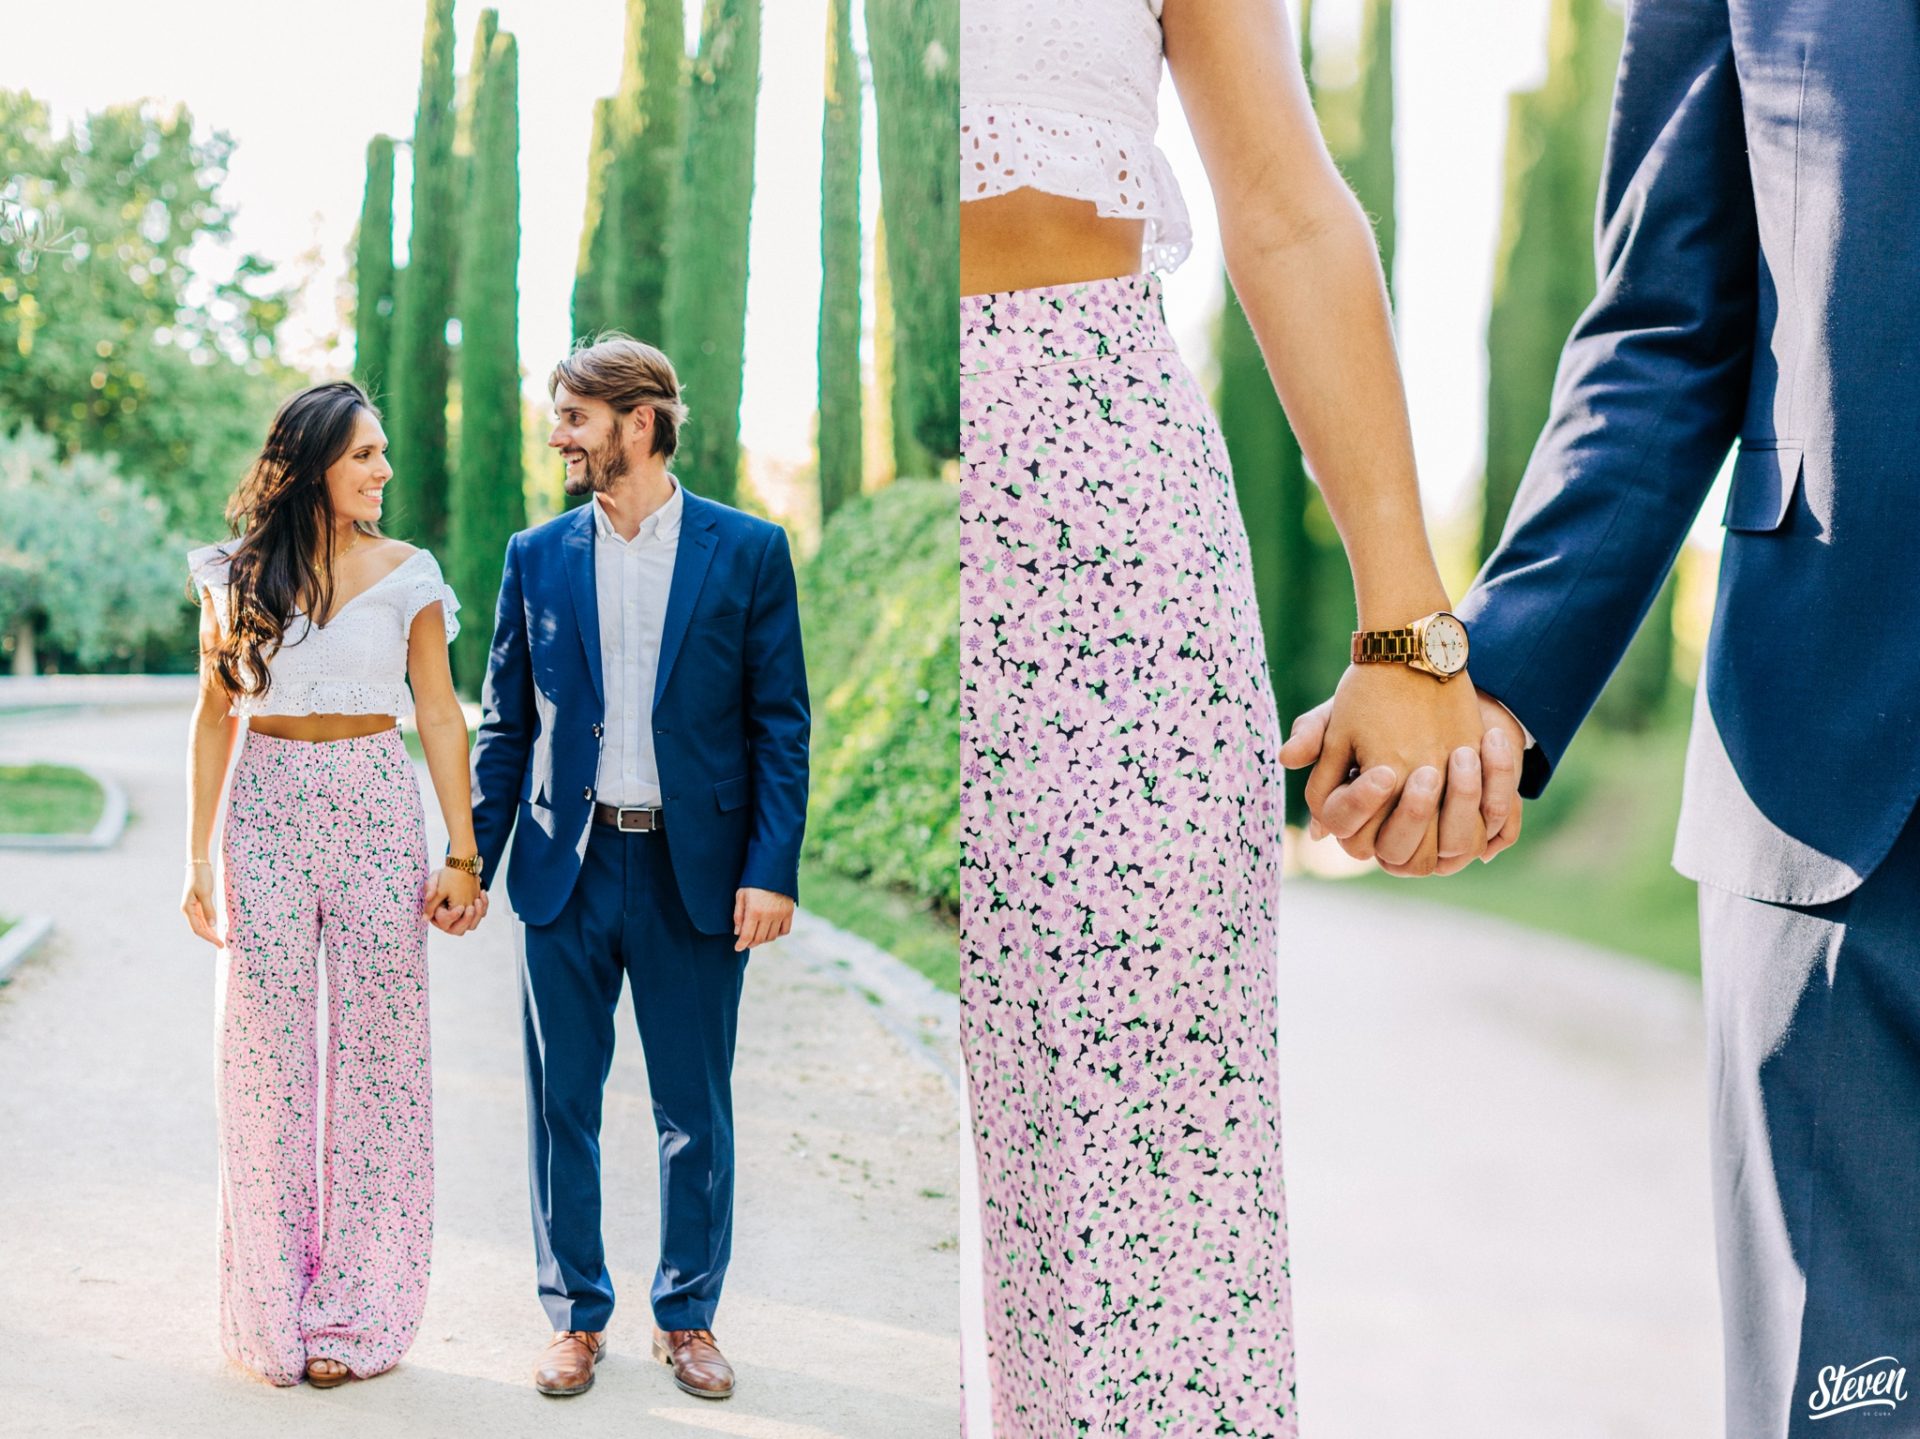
{"type": "Point", "coordinates": [707, 283]}
{"type": "Point", "coordinates": [915, 48]}
{"type": "Point", "coordinates": [488, 500]}
{"type": "Point", "coordinates": [373, 272]}
{"type": "Point", "coordinates": [841, 440]}
{"type": "Point", "coordinates": [89, 568]}
{"type": "Point", "coordinates": [417, 507]}
{"type": "Point", "coordinates": [113, 338]}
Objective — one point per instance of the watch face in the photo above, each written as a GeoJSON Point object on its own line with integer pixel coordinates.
{"type": "Point", "coordinates": [1446, 645]}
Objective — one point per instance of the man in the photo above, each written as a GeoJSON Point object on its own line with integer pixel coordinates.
{"type": "Point", "coordinates": [644, 738]}
{"type": "Point", "coordinates": [1758, 256]}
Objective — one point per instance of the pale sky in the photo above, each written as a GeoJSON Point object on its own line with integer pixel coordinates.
{"type": "Point", "coordinates": [301, 92]}
{"type": "Point", "coordinates": [1455, 64]}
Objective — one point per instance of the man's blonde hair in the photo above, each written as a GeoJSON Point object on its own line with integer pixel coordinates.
{"type": "Point", "coordinates": [626, 373]}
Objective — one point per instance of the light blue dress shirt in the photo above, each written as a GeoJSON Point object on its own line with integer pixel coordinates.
{"type": "Point", "coordinates": [631, 579]}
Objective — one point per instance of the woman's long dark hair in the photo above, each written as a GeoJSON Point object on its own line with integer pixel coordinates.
{"type": "Point", "coordinates": [284, 513]}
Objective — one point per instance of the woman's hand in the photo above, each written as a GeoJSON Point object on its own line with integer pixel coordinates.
{"type": "Point", "coordinates": [197, 903]}
{"type": "Point", "coordinates": [454, 900]}
{"type": "Point", "coordinates": [1413, 738]}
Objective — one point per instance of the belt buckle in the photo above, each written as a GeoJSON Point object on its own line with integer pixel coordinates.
{"type": "Point", "coordinates": [640, 812]}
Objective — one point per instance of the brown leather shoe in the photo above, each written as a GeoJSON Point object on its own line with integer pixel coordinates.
{"type": "Point", "coordinates": [699, 1367]}
{"type": "Point", "coordinates": [566, 1365]}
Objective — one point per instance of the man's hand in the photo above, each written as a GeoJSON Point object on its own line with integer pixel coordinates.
{"type": "Point", "coordinates": [458, 919]}
{"type": "Point", "coordinates": [1481, 789]}
{"type": "Point", "coordinates": [760, 915]}
{"type": "Point", "coordinates": [1393, 727]}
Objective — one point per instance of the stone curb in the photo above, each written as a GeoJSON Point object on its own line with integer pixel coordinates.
{"type": "Point", "coordinates": [20, 941]}
{"type": "Point", "coordinates": [924, 1017]}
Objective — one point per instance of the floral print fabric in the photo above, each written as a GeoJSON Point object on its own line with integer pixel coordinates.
{"type": "Point", "coordinates": [1122, 810]}
{"type": "Point", "coordinates": [325, 848]}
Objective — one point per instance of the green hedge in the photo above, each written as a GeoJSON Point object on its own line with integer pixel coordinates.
{"type": "Point", "coordinates": [881, 607]}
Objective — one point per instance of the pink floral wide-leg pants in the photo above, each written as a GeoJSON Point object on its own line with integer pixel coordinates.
{"type": "Point", "coordinates": [1121, 812]}
{"type": "Point", "coordinates": [325, 849]}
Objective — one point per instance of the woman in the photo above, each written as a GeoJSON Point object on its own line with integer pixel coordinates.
{"type": "Point", "coordinates": [1121, 790]}
{"type": "Point", "coordinates": [313, 629]}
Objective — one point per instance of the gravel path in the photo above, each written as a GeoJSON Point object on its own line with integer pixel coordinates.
{"type": "Point", "coordinates": [1496, 1158]}
{"type": "Point", "coordinates": [842, 1299]}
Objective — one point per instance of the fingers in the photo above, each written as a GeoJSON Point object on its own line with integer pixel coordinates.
{"type": "Point", "coordinates": [1461, 830]}
{"type": "Point", "coordinates": [1350, 806]}
{"type": "Point", "coordinates": [1509, 832]}
{"type": "Point", "coordinates": [197, 921]}
{"type": "Point", "coordinates": [739, 910]}
{"type": "Point", "coordinates": [436, 893]}
{"type": "Point", "coordinates": [1500, 769]}
{"type": "Point", "coordinates": [1309, 734]}
{"type": "Point", "coordinates": [1403, 834]}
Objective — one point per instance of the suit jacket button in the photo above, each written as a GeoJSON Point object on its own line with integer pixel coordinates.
{"type": "Point", "coordinates": [596, 731]}
{"type": "Point", "coordinates": [587, 793]}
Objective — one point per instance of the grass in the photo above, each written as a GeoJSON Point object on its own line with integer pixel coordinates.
{"type": "Point", "coordinates": [1592, 862]}
{"type": "Point", "coordinates": [48, 799]}
{"type": "Point", "coordinates": [5, 925]}
{"type": "Point", "coordinates": [889, 918]}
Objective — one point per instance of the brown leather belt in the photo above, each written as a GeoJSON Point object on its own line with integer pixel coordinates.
{"type": "Point", "coordinates": [635, 819]}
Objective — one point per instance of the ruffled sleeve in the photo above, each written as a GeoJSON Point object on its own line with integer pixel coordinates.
{"type": "Point", "coordinates": [208, 565]}
{"type": "Point", "coordinates": [427, 586]}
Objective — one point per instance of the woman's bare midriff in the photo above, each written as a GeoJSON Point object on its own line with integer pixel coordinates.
{"type": "Point", "coordinates": [320, 727]}
{"type": "Point", "coordinates": [1028, 239]}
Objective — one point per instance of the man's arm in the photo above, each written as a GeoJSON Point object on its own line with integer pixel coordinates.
{"type": "Point", "coordinates": [778, 724]}
{"type": "Point", "coordinates": [1650, 391]}
{"type": "Point", "coordinates": [506, 723]}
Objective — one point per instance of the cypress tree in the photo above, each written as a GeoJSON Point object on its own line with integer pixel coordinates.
{"type": "Point", "coordinates": [425, 303]}
{"type": "Point", "coordinates": [597, 232]}
{"type": "Point", "coordinates": [707, 279]}
{"type": "Point", "coordinates": [840, 443]}
{"type": "Point", "coordinates": [914, 46]}
{"type": "Point", "coordinates": [886, 394]}
{"type": "Point", "coordinates": [1543, 279]}
{"type": "Point", "coordinates": [373, 272]}
{"type": "Point", "coordinates": [648, 137]}
{"type": "Point", "coordinates": [488, 502]}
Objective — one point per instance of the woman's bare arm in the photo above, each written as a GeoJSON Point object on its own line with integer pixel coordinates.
{"type": "Point", "coordinates": [210, 738]}
{"type": "Point", "coordinates": [1301, 255]}
{"type": "Point", "coordinates": [443, 738]}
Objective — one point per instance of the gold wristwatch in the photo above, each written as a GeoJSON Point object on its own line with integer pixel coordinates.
{"type": "Point", "coordinates": [1435, 644]}
{"type": "Point", "coordinates": [469, 865]}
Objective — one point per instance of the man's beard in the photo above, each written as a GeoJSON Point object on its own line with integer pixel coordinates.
{"type": "Point", "coordinates": [599, 470]}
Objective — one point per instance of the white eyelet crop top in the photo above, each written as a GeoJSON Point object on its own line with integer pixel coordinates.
{"type": "Point", "coordinates": [1063, 96]}
{"type": "Point", "coordinates": [354, 664]}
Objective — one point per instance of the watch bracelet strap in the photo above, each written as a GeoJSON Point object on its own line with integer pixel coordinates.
{"type": "Point", "coordinates": [1374, 647]}
{"type": "Point", "coordinates": [467, 864]}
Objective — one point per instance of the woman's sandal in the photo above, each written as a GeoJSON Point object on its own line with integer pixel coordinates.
{"type": "Point", "coordinates": [324, 1380]}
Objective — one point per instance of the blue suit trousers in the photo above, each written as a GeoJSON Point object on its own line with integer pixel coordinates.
{"type": "Point", "coordinates": [625, 920]}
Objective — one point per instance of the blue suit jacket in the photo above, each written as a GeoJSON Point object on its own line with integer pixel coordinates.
{"type": "Point", "coordinates": [730, 714]}
{"type": "Point", "coordinates": [1759, 244]}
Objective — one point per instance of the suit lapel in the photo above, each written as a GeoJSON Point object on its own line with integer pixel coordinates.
{"type": "Point", "coordinates": [578, 547]}
{"type": "Point", "coordinates": [690, 561]}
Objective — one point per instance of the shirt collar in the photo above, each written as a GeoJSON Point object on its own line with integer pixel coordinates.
{"type": "Point", "coordinates": [662, 524]}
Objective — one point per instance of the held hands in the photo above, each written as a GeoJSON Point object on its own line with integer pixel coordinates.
{"type": "Point", "coordinates": [1422, 783]}
{"type": "Point", "coordinates": [760, 915]}
{"type": "Point", "coordinates": [455, 902]}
